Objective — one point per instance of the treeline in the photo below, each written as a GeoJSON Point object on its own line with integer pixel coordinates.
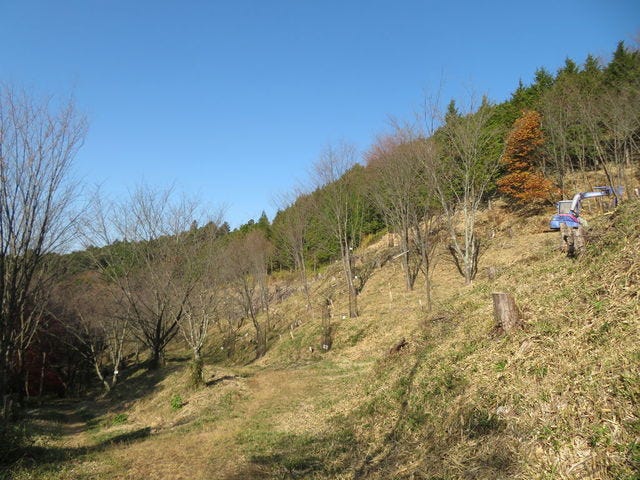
{"type": "Point", "coordinates": [156, 268]}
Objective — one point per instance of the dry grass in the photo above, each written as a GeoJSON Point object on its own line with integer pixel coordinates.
{"type": "Point", "coordinates": [558, 399]}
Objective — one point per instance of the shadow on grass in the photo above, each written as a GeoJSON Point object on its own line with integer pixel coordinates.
{"type": "Point", "coordinates": [139, 381]}
{"type": "Point", "coordinates": [300, 457]}
{"type": "Point", "coordinates": [216, 381]}
{"type": "Point", "coordinates": [46, 458]}
{"type": "Point", "coordinates": [59, 418]}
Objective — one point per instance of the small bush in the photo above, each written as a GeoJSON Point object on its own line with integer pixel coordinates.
{"type": "Point", "coordinates": [500, 366]}
{"type": "Point", "coordinates": [119, 419]}
{"type": "Point", "coordinates": [176, 402]}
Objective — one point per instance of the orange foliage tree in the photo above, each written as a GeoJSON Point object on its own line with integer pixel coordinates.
{"type": "Point", "coordinates": [524, 182]}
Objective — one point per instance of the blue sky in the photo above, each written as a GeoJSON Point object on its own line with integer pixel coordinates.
{"type": "Point", "coordinates": [233, 100]}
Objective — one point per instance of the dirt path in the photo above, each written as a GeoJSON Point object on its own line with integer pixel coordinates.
{"type": "Point", "coordinates": [63, 422]}
{"type": "Point", "coordinates": [269, 405]}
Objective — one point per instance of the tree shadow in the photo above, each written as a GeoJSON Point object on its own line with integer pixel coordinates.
{"type": "Point", "coordinates": [135, 383]}
{"type": "Point", "coordinates": [66, 417]}
{"type": "Point", "coordinates": [50, 458]}
{"type": "Point", "coordinates": [301, 456]}
{"type": "Point", "coordinates": [216, 381]}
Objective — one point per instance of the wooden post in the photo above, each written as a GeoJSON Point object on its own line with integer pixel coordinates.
{"type": "Point", "coordinates": [327, 337]}
{"type": "Point", "coordinates": [491, 273]}
{"type": "Point", "coordinates": [506, 312]}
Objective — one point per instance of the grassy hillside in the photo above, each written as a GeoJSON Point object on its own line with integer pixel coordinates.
{"type": "Point", "coordinates": [558, 399]}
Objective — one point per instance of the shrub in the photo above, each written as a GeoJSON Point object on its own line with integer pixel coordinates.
{"type": "Point", "coordinates": [119, 419]}
{"type": "Point", "coordinates": [176, 402]}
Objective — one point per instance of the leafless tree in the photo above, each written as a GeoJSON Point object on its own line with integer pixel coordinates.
{"type": "Point", "coordinates": [151, 256]}
{"type": "Point", "coordinates": [395, 174]}
{"type": "Point", "coordinates": [247, 273]}
{"type": "Point", "coordinates": [426, 224]}
{"type": "Point", "coordinates": [202, 307]}
{"type": "Point", "coordinates": [559, 119]}
{"type": "Point", "coordinates": [595, 138]}
{"type": "Point", "coordinates": [38, 142]}
{"type": "Point", "coordinates": [89, 309]}
{"type": "Point", "coordinates": [619, 112]}
{"type": "Point", "coordinates": [229, 320]}
{"type": "Point", "coordinates": [341, 208]}
{"type": "Point", "coordinates": [290, 228]}
{"type": "Point", "coordinates": [401, 189]}
{"type": "Point", "coordinates": [199, 314]}
{"type": "Point", "coordinates": [466, 167]}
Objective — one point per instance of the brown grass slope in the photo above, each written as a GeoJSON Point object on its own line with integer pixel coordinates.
{"type": "Point", "coordinates": [558, 399]}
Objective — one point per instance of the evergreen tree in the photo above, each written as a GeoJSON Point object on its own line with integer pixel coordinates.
{"type": "Point", "coordinates": [624, 67]}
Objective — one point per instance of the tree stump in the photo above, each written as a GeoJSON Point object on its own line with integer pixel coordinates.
{"type": "Point", "coordinates": [566, 240]}
{"type": "Point", "coordinates": [506, 312]}
{"type": "Point", "coordinates": [572, 240]}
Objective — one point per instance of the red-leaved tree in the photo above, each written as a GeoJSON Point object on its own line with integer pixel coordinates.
{"type": "Point", "coordinates": [524, 182]}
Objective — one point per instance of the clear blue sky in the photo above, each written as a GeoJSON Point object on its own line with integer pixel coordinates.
{"type": "Point", "coordinates": [233, 100]}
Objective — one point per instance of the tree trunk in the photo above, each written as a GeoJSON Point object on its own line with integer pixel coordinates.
{"type": "Point", "coordinates": [506, 312]}
{"type": "Point", "coordinates": [42, 372]}
{"type": "Point", "coordinates": [100, 376]}
{"type": "Point", "coordinates": [404, 245]}
{"type": "Point", "coordinates": [156, 358]}
{"type": "Point", "coordinates": [348, 272]}
{"type": "Point", "coordinates": [197, 367]}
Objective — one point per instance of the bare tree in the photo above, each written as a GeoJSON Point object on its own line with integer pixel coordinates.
{"type": "Point", "coordinates": [247, 263]}
{"type": "Point", "coordinates": [89, 309]}
{"type": "Point", "coordinates": [199, 314]}
{"type": "Point", "coordinates": [229, 320]}
{"type": "Point", "coordinates": [290, 227]}
{"type": "Point", "coordinates": [559, 118]}
{"type": "Point", "coordinates": [468, 163]}
{"type": "Point", "coordinates": [426, 224]}
{"type": "Point", "coordinates": [340, 208]}
{"type": "Point", "coordinates": [202, 307]}
{"type": "Point", "coordinates": [151, 257]}
{"type": "Point", "coordinates": [619, 120]}
{"type": "Point", "coordinates": [597, 130]}
{"type": "Point", "coordinates": [396, 176]}
{"type": "Point", "coordinates": [38, 142]}
{"type": "Point", "coordinates": [401, 189]}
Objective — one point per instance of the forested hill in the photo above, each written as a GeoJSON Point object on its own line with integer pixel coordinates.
{"type": "Point", "coordinates": [352, 336]}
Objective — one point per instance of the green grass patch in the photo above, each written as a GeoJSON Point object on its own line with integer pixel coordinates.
{"type": "Point", "coordinates": [176, 402]}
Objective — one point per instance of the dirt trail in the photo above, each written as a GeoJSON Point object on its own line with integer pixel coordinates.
{"type": "Point", "coordinates": [272, 401]}
{"type": "Point", "coordinates": [282, 400]}
{"type": "Point", "coordinates": [63, 422]}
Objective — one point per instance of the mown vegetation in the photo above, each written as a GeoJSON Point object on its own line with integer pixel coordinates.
{"type": "Point", "coordinates": [336, 341]}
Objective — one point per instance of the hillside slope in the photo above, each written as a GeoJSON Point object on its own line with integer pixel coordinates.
{"type": "Point", "coordinates": [558, 399]}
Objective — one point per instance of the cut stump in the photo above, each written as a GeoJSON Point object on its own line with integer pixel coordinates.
{"type": "Point", "coordinates": [572, 240]}
{"type": "Point", "coordinates": [505, 312]}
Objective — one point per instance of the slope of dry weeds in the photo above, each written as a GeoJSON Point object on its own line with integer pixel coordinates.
{"type": "Point", "coordinates": [558, 399]}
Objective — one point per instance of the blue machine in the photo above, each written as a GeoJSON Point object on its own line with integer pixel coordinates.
{"type": "Point", "coordinates": [569, 210]}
